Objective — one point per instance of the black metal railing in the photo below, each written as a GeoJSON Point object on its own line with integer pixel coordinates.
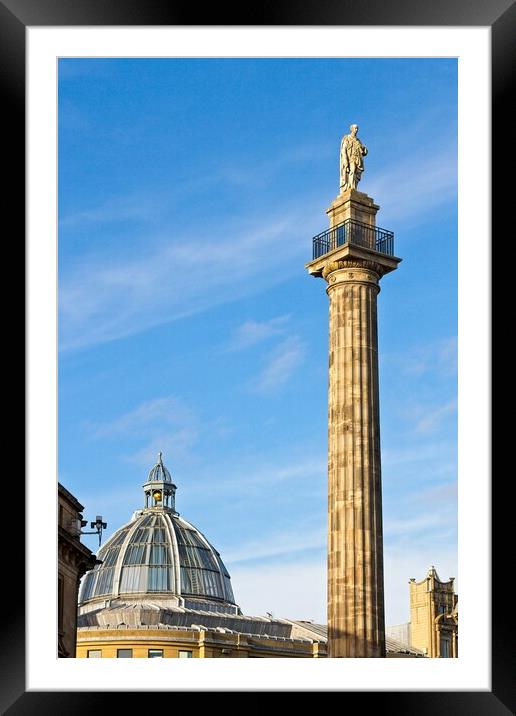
{"type": "Point", "coordinates": [354, 232]}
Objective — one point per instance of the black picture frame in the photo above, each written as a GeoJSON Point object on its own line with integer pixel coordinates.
{"type": "Point", "coordinates": [500, 16]}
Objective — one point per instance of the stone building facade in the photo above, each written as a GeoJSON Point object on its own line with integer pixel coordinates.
{"type": "Point", "coordinates": [74, 559]}
{"type": "Point", "coordinates": [434, 617]}
{"type": "Point", "coordinates": [198, 641]}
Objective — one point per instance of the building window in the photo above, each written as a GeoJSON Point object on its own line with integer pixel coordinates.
{"type": "Point", "coordinates": [155, 653]}
{"type": "Point", "coordinates": [445, 649]}
{"type": "Point", "coordinates": [94, 654]}
{"type": "Point", "coordinates": [185, 655]}
{"type": "Point", "coordinates": [124, 653]}
{"type": "Point", "coordinates": [60, 600]}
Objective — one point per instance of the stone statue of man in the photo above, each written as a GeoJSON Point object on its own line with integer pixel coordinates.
{"type": "Point", "coordinates": [351, 164]}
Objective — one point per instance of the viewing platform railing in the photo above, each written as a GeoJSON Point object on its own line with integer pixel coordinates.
{"type": "Point", "coordinates": [353, 232]}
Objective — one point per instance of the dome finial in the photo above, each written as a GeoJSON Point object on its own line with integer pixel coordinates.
{"type": "Point", "coordinates": [160, 457]}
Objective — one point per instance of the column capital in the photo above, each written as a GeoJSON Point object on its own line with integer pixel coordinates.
{"type": "Point", "coordinates": [353, 271]}
{"type": "Point", "coordinates": [350, 256]}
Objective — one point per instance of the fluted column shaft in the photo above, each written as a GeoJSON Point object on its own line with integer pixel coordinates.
{"type": "Point", "coordinates": [356, 626]}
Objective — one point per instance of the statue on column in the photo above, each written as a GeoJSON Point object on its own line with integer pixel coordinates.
{"type": "Point", "coordinates": [352, 152]}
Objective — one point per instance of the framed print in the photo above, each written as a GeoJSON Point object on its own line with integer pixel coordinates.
{"type": "Point", "coordinates": [41, 40]}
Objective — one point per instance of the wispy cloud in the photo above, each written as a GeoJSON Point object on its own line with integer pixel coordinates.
{"type": "Point", "coordinates": [166, 410]}
{"type": "Point", "coordinates": [438, 357]}
{"type": "Point", "coordinates": [281, 365]}
{"type": "Point", "coordinates": [153, 205]}
{"type": "Point", "coordinates": [174, 443]}
{"type": "Point", "coordinates": [426, 416]}
{"type": "Point", "coordinates": [415, 453]}
{"type": "Point", "coordinates": [104, 300]}
{"type": "Point", "coordinates": [261, 172]}
{"type": "Point", "coordinates": [412, 187]}
{"type": "Point", "coordinates": [252, 332]}
{"type": "Point", "coordinates": [249, 478]}
{"type": "Point", "coordinates": [440, 494]}
{"type": "Point", "coordinates": [274, 544]}
{"type": "Point", "coordinates": [125, 208]}
{"type": "Point", "coordinates": [433, 419]}
{"type": "Point", "coordinates": [164, 424]}
{"type": "Point", "coordinates": [411, 527]}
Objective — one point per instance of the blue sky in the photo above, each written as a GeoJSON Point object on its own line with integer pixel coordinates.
{"type": "Point", "coordinates": [189, 191]}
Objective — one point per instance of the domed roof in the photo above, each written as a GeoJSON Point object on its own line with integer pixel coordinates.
{"type": "Point", "coordinates": [158, 553]}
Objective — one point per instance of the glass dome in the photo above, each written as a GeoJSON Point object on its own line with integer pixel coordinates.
{"type": "Point", "coordinates": [158, 553]}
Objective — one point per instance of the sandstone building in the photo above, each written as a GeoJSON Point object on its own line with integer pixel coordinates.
{"type": "Point", "coordinates": [74, 559]}
{"type": "Point", "coordinates": [434, 616]}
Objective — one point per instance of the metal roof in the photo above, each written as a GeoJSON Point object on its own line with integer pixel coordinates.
{"type": "Point", "coordinates": [321, 631]}
{"type": "Point", "coordinates": [159, 473]}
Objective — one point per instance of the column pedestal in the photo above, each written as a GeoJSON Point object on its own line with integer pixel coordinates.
{"type": "Point", "coordinates": [352, 204]}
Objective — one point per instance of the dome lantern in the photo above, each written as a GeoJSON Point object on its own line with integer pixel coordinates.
{"type": "Point", "coordinates": [160, 491]}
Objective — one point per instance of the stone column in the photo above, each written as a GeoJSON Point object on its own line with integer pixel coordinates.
{"type": "Point", "coordinates": [454, 645]}
{"type": "Point", "coordinates": [355, 556]}
{"type": "Point", "coordinates": [356, 625]}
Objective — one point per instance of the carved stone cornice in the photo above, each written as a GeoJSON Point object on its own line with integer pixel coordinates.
{"type": "Point", "coordinates": [353, 263]}
{"type": "Point", "coordinates": [353, 257]}
{"type": "Point", "coordinates": [74, 554]}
